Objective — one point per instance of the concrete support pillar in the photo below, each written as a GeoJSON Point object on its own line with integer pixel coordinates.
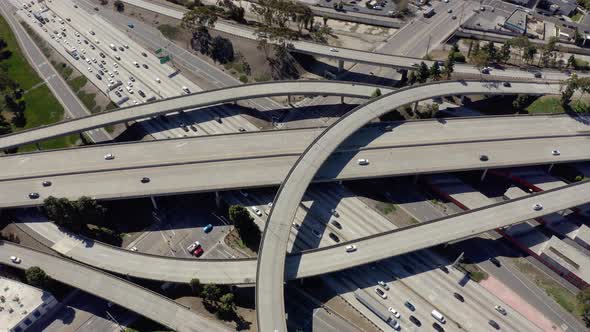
{"type": "Point", "coordinates": [340, 65]}
{"type": "Point", "coordinates": [483, 175]}
{"type": "Point", "coordinates": [127, 125]}
{"type": "Point", "coordinates": [217, 200]}
{"type": "Point", "coordinates": [550, 168]}
{"type": "Point", "coordinates": [416, 178]}
{"type": "Point", "coordinates": [38, 146]}
{"type": "Point", "coordinates": [462, 99]}
{"type": "Point", "coordinates": [154, 202]}
{"type": "Point", "coordinates": [415, 108]}
{"type": "Point", "coordinates": [341, 99]}
{"type": "Point", "coordinates": [289, 99]}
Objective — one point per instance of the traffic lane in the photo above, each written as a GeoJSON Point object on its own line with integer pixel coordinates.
{"type": "Point", "coordinates": [271, 142]}
{"type": "Point", "coordinates": [271, 171]}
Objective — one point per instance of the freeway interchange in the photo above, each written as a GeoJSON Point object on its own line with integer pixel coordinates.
{"type": "Point", "coordinates": [291, 159]}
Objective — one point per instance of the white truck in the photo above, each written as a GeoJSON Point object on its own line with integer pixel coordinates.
{"type": "Point", "coordinates": [112, 46]}
{"type": "Point", "coordinates": [377, 308]}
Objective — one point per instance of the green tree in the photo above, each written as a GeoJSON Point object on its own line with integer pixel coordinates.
{"type": "Point", "coordinates": [211, 293]}
{"type": "Point", "coordinates": [530, 53]}
{"type": "Point", "coordinates": [505, 53]}
{"type": "Point", "coordinates": [423, 73]}
{"type": "Point", "coordinates": [36, 277]}
{"type": "Point", "coordinates": [227, 307]}
{"type": "Point", "coordinates": [222, 50]}
{"type": "Point", "coordinates": [119, 5]}
{"type": "Point", "coordinates": [199, 17]}
{"type": "Point", "coordinates": [490, 51]}
{"type": "Point", "coordinates": [584, 300]}
{"type": "Point", "coordinates": [244, 224]}
{"type": "Point", "coordinates": [412, 77]}
{"type": "Point", "coordinates": [566, 95]}
{"type": "Point", "coordinates": [5, 127]}
{"type": "Point", "coordinates": [435, 71]}
{"type": "Point", "coordinates": [89, 211]}
{"type": "Point", "coordinates": [571, 61]}
{"type": "Point", "coordinates": [196, 286]}
{"type": "Point", "coordinates": [520, 102]}
{"type": "Point", "coordinates": [448, 69]}
{"type": "Point", "coordinates": [376, 93]}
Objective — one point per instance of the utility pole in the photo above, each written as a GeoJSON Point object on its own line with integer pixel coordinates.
{"type": "Point", "coordinates": [428, 45]}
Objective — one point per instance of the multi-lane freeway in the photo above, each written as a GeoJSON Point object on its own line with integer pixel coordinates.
{"type": "Point", "coordinates": [124, 293]}
{"type": "Point", "coordinates": [271, 266]}
{"type": "Point", "coordinates": [351, 55]}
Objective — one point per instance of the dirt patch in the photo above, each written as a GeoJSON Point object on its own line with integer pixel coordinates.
{"type": "Point", "coordinates": [232, 239]}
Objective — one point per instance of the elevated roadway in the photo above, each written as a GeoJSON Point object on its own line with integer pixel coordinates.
{"type": "Point", "coordinates": [317, 261]}
{"type": "Point", "coordinates": [135, 298]}
{"type": "Point", "coordinates": [271, 261]}
{"type": "Point", "coordinates": [252, 172]}
{"type": "Point", "coordinates": [291, 142]}
{"type": "Point", "coordinates": [196, 100]}
{"type": "Point", "coordinates": [350, 55]}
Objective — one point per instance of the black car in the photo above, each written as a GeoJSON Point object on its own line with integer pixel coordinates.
{"type": "Point", "coordinates": [410, 306]}
{"type": "Point", "coordinates": [101, 55]}
{"type": "Point", "coordinates": [444, 269]}
{"type": "Point", "coordinates": [507, 84]}
{"type": "Point", "coordinates": [33, 195]}
{"type": "Point", "coordinates": [495, 261]}
{"type": "Point", "coordinates": [218, 119]}
{"type": "Point", "coordinates": [483, 157]}
{"type": "Point", "coordinates": [141, 93]}
{"type": "Point", "coordinates": [336, 224]}
{"type": "Point", "coordinates": [459, 297]}
{"type": "Point", "coordinates": [145, 179]}
{"type": "Point", "coordinates": [99, 77]}
{"type": "Point", "coordinates": [143, 53]}
{"type": "Point", "coordinates": [438, 327]}
{"type": "Point", "coordinates": [416, 321]}
{"type": "Point", "coordinates": [145, 66]}
{"type": "Point", "coordinates": [193, 128]}
{"type": "Point", "coordinates": [334, 237]}
{"type": "Point", "coordinates": [164, 118]}
{"type": "Point", "coordinates": [46, 183]}
{"type": "Point", "coordinates": [494, 324]}
{"type": "Point", "coordinates": [100, 72]}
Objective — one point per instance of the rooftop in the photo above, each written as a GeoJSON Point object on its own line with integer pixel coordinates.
{"type": "Point", "coordinates": [571, 258]}
{"type": "Point", "coordinates": [18, 301]}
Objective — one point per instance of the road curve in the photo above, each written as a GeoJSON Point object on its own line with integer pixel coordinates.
{"type": "Point", "coordinates": [271, 258]}
{"type": "Point", "coordinates": [315, 261]}
{"type": "Point", "coordinates": [195, 100]}
{"type": "Point", "coordinates": [133, 297]}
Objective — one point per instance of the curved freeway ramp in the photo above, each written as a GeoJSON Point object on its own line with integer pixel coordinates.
{"type": "Point", "coordinates": [135, 298]}
{"type": "Point", "coordinates": [316, 261]}
{"type": "Point", "coordinates": [196, 100]}
{"type": "Point", "coordinates": [271, 260]}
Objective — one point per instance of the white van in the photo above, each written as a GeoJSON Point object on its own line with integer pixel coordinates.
{"type": "Point", "coordinates": [438, 316]}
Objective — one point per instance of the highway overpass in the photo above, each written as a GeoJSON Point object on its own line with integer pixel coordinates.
{"type": "Point", "coordinates": [352, 55]}
{"type": "Point", "coordinates": [290, 142]}
{"type": "Point", "coordinates": [195, 100]}
{"type": "Point", "coordinates": [271, 262]}
{"type": "Point", "coordinates": [316, 261]}
{"type": "Point", "coordinates": [225, 174]}
{"type": "Point", "coordinates": [116, 290]}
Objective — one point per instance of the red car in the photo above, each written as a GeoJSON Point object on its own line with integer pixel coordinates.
{"type": "Point", "coordinates": [199, 251]}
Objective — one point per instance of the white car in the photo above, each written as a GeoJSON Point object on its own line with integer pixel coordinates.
{"type": "Point", "coordinates": [15, 259]}
{"type": "Point", "coordinates": [94, 60]}
{"type": "Point", "coordinates": [131, 78]}
{"type": "Point", "coordinates": [380, 292]}
{"type": "Point", "coordinates": [115, 65]}
{"type": "Point", "coordinates": [555, 152]}
{"type": "Point", "coordinates": [256, 210]}
{"type": "Point", "coordinates": [130, 84]}
{"type": "Point", "coordinates": [158, 80]}
{"type": "Point", "coordinates": [109, 156]}
{"type": "Point", "coordinates": [134, 249]}
{"type": "Point", "coordinates": [537, 207]}
{"type": "Point", "coordinates": [350, 248]}
{"type": "Point", "coordinates": [296, 225]}
{"type": "Point", "coordinates": [363, 162]}
{"type": "Point", "coordinates": [383, 284]}
{"type": "Point", "coordinates": [90, 69]}
{"type": "Point", "coordinates": [394, 312]}
{"type": "Point", "coordinates": [333, 49]}
{"type": "Point", "coordinates": [500, 310]}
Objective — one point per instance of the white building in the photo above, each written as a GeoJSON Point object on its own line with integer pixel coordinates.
{"type": "Point", "coordinates": [21, 305]}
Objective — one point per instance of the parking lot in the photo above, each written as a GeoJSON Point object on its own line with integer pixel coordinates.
{"type": "Point", "coordinates": [380, 7]}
